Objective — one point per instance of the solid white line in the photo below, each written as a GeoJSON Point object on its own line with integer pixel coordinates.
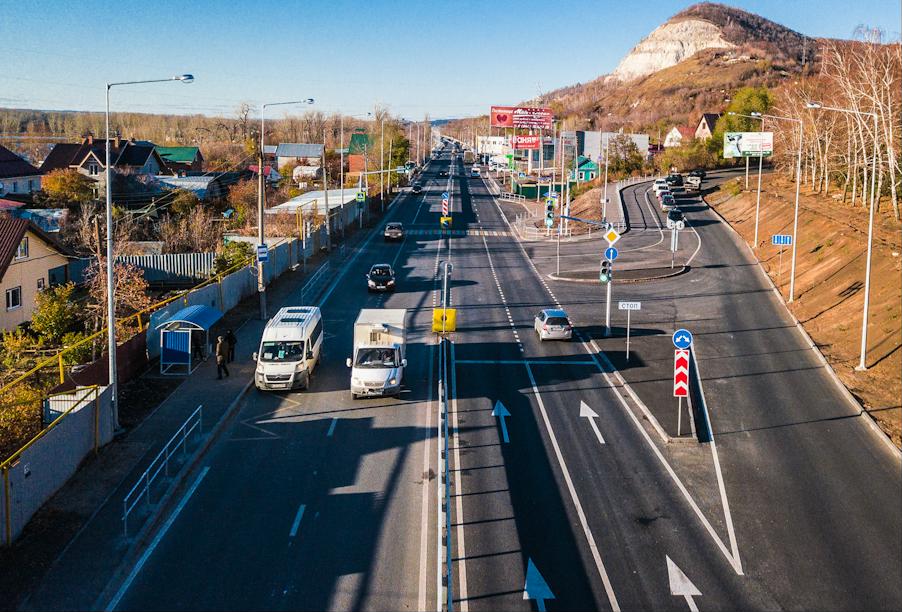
{"type": "Point", "coordinates": [464, 605]}
{"type": "Point", "coordinates": [691, 603]}
{"type": "Point", "coordinates": [734, 546]}
{"type": "Point", "coordinates": [332, 427]}
{"type": "Point", "coordinates": [424, 512]}
{"type": "Point", "coordinates": [593, 547]}
{"type": "Point", "coordinates": [522, 361]}
{"type": "Point", "coordinates": [297, 521]}
{"type": "Point", "coordinates": [156, 541]}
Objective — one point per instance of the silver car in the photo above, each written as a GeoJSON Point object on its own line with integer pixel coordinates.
{"type": "Point", "coordinates": [553, 324]}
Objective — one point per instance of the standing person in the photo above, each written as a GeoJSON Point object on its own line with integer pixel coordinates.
{"type": "Point", "coordinates": [231, 340]}
{"type": "Point", "coordinates": [222, 352]}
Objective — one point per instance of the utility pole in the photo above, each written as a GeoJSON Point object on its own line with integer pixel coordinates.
{"type": "Point", "coordinates": [604, 206]}
{"type": "Point", "coordinates": [382, 161]}
{"type": "Point", "coordinates": [341, 152]}
{"type": "Point", "coordinates": [261, 195]}
{"type": "Point", "coordinates": [326, 199]}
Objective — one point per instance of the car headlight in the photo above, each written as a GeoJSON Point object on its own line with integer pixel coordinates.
{"type": "Point", "coordinates": [371, 283]}
{"type": "Point", "coordinates": [355, 381]}
{"type": "Point", "coordinates": [393, 381]}
{"type": "Point", "coordinates": [391, 282]}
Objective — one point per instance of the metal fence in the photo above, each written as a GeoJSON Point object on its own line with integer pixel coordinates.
{"type": "Point", "coordinates": [143, 488]}
{"type": "Point", "coordinates": [172, 267]}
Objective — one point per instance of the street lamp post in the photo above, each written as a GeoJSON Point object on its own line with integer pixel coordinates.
{"type": "Point", "coordinates": [110, 285]}
{"type": "Point", "coordinates": [261, 195]}
{"type": "Point", "coordinates": [873, 204]}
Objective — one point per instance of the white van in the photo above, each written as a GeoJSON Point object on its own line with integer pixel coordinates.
{"type": "Point", "coordinates": [289, 349]}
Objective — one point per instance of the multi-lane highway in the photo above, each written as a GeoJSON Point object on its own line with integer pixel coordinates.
{"type": "Point", "coordinates": [574, 501]}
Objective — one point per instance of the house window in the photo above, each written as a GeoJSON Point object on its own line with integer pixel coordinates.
{"type": "Point", "coordinates": [92, 169]}
{"type": "Point", "coordinates": [41, 284]}
{"type": "Point", "coordinates": [22, 250]}
{"type": "Point", "coordinates": [13, 298]}
{"type": "Point", "coordinates": [15, 187]}
{"type": "Point", "coordinates": [32, 186]}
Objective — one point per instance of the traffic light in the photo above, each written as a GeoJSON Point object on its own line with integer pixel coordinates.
{"type": "Point", "coordinates": [606, 274]}
{"type": "Point", "coordinates": [549, 212]}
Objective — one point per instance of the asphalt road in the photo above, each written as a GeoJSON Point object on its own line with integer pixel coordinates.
{"type": "Point", "coordinates": [312, 500]}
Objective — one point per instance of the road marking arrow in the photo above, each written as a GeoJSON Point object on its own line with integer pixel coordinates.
{"type": "Point", "coordinates": [680, 585]}
{"type": "Point", "coordinates": [588, 413]}
{"type": "Point", "coordinates": [536, 587]}
{"type": "Point", "coordinates": [501, 412]}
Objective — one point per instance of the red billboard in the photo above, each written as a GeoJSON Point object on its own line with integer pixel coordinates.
{"type": "Point", "coordinates": [527, 142]}
{"type": "Point", "coordinates": [521, 117]}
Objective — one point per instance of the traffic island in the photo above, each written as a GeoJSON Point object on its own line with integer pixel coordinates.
{"type": "Point", "coordinates": [623, 276]}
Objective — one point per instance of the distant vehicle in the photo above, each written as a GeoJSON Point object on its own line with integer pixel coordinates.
{"type": "Point", "coordinates": [474, 172]}
{"type": "Point", "coordinates": [693, 182]}
{"type": "Point", "coordinates": [381, 277]}
{"type": "Point", "coordinates": [553, 324]}
{"type": "Point", "coordinates": [417, 188]}
{"type": "Point", "coordinates": [660, 191]}
{"type": "Point", "coordinates": [677, 190]}
{"type": "Point", "coordinates": [674, 180]}
{"type": "Point", "coordinates": [443, 173]}
{"type": "Point", "coordinates": [674, 217]}
{"type": "Point", "coordinates": [660, 186]}
{"type": "Point", "coordinates": [667, 202]}
{"type": "Point", "coordinates": [380, 344]}
{"type": "Point", "coordinates": [289, 349]}
{"type": "Point", "coordinates": [697, 172]}
{"type": "Point", "coordinates": [394, 231]}
{"type": "Point", "coordinates": [469, 157]}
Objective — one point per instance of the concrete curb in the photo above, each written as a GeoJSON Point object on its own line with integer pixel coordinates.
{"type": "Point", "coordinates": [676, 272]}
{"type": "Point", "coordinates": [844, 391]}
{"type": "Point", "coordinates": [153, 523]}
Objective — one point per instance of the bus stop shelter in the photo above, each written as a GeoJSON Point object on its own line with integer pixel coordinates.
{"type": "Point", "coordinates": [185, 339]}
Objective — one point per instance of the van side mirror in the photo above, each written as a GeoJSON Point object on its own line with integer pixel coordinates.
{"type": "Point", "coordinates": [403, 363]}
{"type": "Point", "coordinates": [254, 356]}
{"type": "Point", "coordinates": [309, 354]}
{"type": "Point", "coordinates": [348, 362]}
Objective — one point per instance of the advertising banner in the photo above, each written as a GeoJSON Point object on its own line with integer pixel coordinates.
{"type": "Point", "coordinates": [521, 117]}
{"type": "Point", "coordinates": [526, 142]}
{"type": "Point", "coordinates": [748, 144]}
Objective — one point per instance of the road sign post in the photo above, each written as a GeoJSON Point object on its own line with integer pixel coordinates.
{"type": "Point", "coordinates": [680, 381]}
{"type": "Point", "coordinates": [629, 307]}
{"type": "Point", "coordinates": [262, 253]}
{"type": "Point", "coordinates": [781, 240]}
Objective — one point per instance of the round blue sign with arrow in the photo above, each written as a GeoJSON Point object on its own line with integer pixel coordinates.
{"type": "Point", "coordinates": [444, 195]}
{"type": "Point", "coordinates": [682, 338]}
{"type": "Point", "coordinates": [610, 253]}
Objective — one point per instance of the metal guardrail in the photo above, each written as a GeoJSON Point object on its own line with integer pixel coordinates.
{"type": "Point", "coordinates": [512, 197]}
{"type": "Point", "coordinates": [142, 488]}
{"type": "Point", "coordinates": [313, 286]}
{"type": "Point", "coordinates": [445, 471]}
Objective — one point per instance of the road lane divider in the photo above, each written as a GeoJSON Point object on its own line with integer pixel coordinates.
{"type": "Point", "coordinates": [297, 521]}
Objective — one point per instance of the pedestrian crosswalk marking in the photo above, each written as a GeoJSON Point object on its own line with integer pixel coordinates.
{"type": "Point", "coordinates": [458, 232]}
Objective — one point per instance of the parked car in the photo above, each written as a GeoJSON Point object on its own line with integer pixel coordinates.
{"type": "Point", "coordinates": [551, 324]}
{"type": "Point", "coordinates": [675, 218]}
{"type": "Point", "coordinates": [394, 231]}
{"type": "Point", "coordinates": [381, 277]}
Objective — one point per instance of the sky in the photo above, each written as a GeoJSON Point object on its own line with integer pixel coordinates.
{"type": "Point", "coordinates": [448, 59]}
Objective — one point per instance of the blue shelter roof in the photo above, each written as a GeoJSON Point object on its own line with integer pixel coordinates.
{"type": "Point", "coordinates": [197, 317]}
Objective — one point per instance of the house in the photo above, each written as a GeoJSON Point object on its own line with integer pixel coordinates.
{"type": "Point", "coordinates": [706, 125]}
{"type": "Point", "coordinates": [17, 176]}
{"type": "Point", "coordinates": [89, 157]}
{"type": "Point", "coordinates": [586, 169]}
{"type": "Point", "coordinates": [179, 160]}
{"type": "Point", "coordinates": [30, 260]}
{"type": "Point", "coordinates": [677, 135]}
{"type": "Point", "coordinates": [307, 156]}
{"type": "Point", "coordinates": [207, 187]}
{"type": "Point", "coordinates": [357, 147]}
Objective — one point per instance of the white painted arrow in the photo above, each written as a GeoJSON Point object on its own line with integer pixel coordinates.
{"type": "Point", "coordinates": [501, 412]}
{"type": "Point", "coordinates": [680, 585]}
{"type": "Point", "coordinates": [591, 415]}
{"type": "Point", "coordinates": [536, 587]}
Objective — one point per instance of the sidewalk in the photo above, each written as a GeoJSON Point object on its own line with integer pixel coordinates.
{"type": "Point", "coordinates": [41, 571]}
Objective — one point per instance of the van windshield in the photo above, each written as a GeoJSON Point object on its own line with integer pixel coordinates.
{"type": "Point", "coordinates": [282, 351]}
{"type": "Point", "coordinates": [376, 358]}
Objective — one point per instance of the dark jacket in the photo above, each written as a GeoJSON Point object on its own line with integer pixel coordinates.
{"type": "Point", "coordinates": [230, 339]}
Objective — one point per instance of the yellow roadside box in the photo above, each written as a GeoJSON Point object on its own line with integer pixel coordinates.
{"type": "Point", "coordinates": [444, 320]}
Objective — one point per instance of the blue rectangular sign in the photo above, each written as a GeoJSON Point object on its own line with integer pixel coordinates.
{"type": "Point", "coordinates": [781, 239]}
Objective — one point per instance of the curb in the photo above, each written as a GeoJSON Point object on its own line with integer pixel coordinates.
{"type": "Point", "coordinates": [676, 272]}
{"type": "Point", "coordinates": [153, 523]}
{"type": "Point", "coordinates": [844, 391]}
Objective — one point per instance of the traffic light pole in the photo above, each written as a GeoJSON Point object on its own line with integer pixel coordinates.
{"type": "Point", "coordinates": [607, 314]}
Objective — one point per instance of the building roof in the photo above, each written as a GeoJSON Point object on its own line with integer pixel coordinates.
{"type": "Point", "coordinates": [710, 119]}
{"type": "Point", "coordinates": [358, 142]}
{"type": "Point", "coordinates": [127, 153]}
{"type": "Point", "coordinates": [12, 165]}
{"type": "Point", "coordinates": [685, 131]}
{"type": "Point", "coordinates": [198, 316]}
{"type": "Point", "coordinates": [305, 201]}
{"type": "Point", "coordinates": [293, 149]}
{"type": "Point", "coordinates": [10, 204]}
{"type": "Point", "coordinates": [179, 155]}
{"type": "Point", "coordinates": [196, 184]}
{"type": "Point", "coordinates": [12, 230]}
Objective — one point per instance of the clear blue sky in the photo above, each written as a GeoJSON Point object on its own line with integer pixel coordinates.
{"type": "Point", "coordinates": [450, 59]}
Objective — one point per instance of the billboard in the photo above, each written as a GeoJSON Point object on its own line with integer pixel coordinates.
{"type": "Point", "coordinates": [521, 117]}
{"type": "Point", "coordinates": [526, 142]}
{"type": "Point", "coordinates": [748, 144]}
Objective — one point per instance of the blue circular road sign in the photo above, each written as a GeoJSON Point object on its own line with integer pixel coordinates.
{"type": "Point", "coordinates": [682, 338]}
{"type": "Point", "coordinates": [610, 253]}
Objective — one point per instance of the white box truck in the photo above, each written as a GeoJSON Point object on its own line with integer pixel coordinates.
{"type": "Point", "coordinates": [380, 348]}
